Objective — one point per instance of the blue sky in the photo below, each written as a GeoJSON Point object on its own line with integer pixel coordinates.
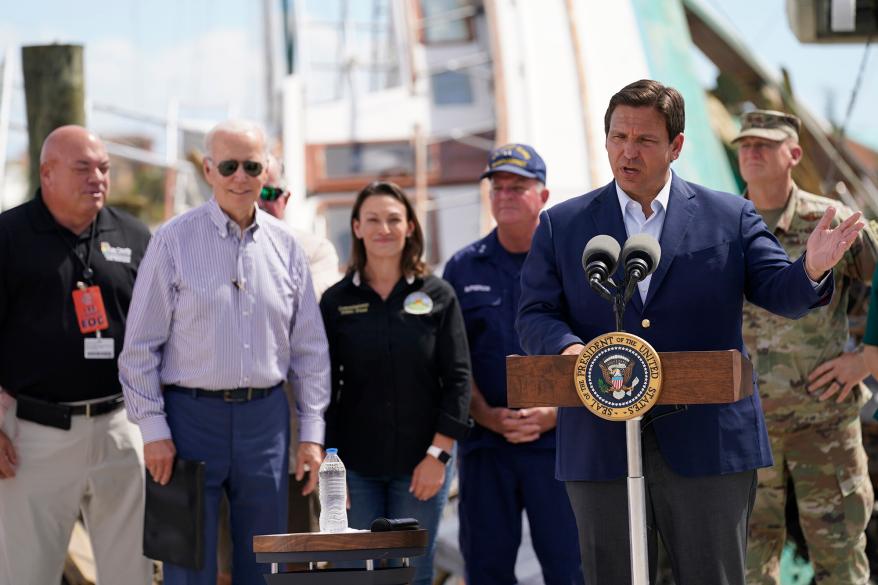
{"type": "Point", "coordinates": [816, 70]}
{"type": "Point", "coordinates": [208, 54]}
{"type": "Point", "coordinates": [138, 55]}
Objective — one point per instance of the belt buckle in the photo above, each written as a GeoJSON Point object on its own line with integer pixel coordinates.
{"type": "Point", "coordinates": [228, 396]}
{"type": "Point", "coordinates": [88, 410]}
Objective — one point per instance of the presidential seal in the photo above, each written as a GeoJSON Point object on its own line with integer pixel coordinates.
{"type": "Point", "coordinates": [618, 376]}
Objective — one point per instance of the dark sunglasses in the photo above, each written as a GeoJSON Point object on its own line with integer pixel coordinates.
{"type": "Point", "coordinates": [271, 193]}
{"type": "Point", "coordinates": [227, 168]}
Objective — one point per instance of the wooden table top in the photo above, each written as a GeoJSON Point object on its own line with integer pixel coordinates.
{"type": "Point", "coordinates": [318, 542]}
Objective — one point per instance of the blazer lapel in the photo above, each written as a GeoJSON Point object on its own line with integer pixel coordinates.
{"type": "Point", "coordinates": [681, 208]}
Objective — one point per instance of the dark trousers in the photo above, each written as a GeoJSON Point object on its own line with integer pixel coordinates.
{"type": "Point", "coordinates": [245, 447]}
{"type": "Point", "coordinates": [496, 485]}
{"type": "Point", "coordinates": [702, 522]}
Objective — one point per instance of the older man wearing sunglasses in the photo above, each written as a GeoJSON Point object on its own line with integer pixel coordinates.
{"type": "Point", "coordinates": [321, 254]}
{"type": "Point", "coordinates": [223, 313]}
{"type": "Point", "coordinates": [302, 506]}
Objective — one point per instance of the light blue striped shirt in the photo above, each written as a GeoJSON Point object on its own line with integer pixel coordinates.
{"type": "Point", "coordinates": [216, 308]}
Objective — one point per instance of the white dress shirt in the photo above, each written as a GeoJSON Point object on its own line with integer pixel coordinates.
{"type": "Point", "coordinates": [636, 221]}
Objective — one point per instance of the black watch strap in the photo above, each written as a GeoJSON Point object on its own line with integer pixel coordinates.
{"type": "Point", "coordinates": [443, 456]}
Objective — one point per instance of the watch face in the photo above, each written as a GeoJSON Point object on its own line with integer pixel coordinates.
{"type": "Point", "coordinates": [444, 457]}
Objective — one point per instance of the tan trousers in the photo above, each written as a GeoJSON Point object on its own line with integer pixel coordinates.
{"type": "Point", "coordinates": [96, 469]}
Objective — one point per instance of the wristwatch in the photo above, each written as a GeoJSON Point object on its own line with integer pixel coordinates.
{"type": "Point", "coordinates": [443, 456]}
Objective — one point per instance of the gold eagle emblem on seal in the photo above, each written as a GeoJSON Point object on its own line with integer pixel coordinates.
{"type": "Point", "coordinates": [618, 376]}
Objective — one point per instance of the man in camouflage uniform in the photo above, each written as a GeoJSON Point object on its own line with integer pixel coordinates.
{"type": "Point", "coordinates": [810, 387]}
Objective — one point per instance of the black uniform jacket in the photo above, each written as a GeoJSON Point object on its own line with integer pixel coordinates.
{"type": "Point", "coordinates": [400, 372]}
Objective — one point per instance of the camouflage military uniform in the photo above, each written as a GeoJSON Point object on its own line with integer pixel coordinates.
{"type": "Point", "coordinates": [818, 444]}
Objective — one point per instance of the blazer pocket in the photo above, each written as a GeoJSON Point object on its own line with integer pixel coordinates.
{"type": "Point", "coordinates": [711, 258]}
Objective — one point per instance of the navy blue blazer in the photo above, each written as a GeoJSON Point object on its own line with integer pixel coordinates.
{"type": "Point", "coordinates": [716, 251]}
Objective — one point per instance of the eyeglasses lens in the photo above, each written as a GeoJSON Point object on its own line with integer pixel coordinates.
{"type": "Point", "coordinates": [271, 193]}
{"type": "Point", "coordinates": [227, 168]}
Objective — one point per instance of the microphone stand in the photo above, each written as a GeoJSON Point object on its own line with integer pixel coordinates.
{"type": "Point", "coordinates": [635, 481]}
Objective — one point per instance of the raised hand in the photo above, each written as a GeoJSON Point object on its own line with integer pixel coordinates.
{"type": "Point", "coordinates": [826, 245]}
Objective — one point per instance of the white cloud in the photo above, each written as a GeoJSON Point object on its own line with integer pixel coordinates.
{"type": "Point", "coordinates": [216, 73]}
{"type": "Point", "coordinates": [218, 70]}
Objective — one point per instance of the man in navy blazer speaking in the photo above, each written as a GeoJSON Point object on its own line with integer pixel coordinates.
{"type": "Point", "coordinates": [699, 461]}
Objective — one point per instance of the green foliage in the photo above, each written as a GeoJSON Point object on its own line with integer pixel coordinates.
{"type": "Point", "coordinates": [142, 195]}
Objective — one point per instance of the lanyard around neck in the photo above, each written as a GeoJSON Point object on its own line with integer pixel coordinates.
{"type": "Point", "coordinates": [87, 272]}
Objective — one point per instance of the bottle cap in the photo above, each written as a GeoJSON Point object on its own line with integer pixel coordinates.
{"type": "Point", "coordinates": [331, 451]}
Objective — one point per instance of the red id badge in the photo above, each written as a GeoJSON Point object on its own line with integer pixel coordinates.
{"type": "Point", "coordinates": [90, 312]}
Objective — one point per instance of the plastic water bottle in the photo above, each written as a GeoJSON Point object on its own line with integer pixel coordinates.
{"type": "Point", "coordinates": [333, 494]}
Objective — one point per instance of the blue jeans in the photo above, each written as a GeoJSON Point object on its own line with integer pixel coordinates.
{"type": "Point", "coordinates": [388, 496]}
{"type": "Point", "coordinates": [245, 447]}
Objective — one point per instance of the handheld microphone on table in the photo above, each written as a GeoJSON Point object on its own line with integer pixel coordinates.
{"type": "Point", "coordinates": [640, 257]}
{"type": "Point", "coordinates": [390, 524]}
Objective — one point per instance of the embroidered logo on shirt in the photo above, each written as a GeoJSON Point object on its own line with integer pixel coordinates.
{"type": "Point", "coordinates": [418, 303]}
{"type": "Point", "coordinates": [476, 288]}
{"type": "Point", "coordinates": [354, 309]}
{"type": "Point", "coordinates": [113, 254]}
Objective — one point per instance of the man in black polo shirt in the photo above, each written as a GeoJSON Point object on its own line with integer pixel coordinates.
{"type": "Point", "coordinates": [67, 269]}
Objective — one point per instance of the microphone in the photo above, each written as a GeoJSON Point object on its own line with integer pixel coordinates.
{"type": "Point", "coordinates": [599, 260]}
{"type": "Point", "coordinates": [391, 524]}
{"type": "Point", "coordinates": [640, 256]}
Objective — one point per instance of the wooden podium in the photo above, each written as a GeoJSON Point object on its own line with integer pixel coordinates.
{"type": "Point", "coordinates": [692, 377]}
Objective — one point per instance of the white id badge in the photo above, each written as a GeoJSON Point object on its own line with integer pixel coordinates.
{"type": "Point", "coordinates": [99, 348]}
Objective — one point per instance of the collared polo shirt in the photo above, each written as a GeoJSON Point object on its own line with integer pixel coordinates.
{"type": "Point", "coordinates": [41, 346]}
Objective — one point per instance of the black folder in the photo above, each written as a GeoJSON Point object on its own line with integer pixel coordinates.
{"type": "Point", "coordinates": [173, 528]}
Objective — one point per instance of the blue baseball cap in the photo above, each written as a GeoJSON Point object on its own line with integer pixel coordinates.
{"type": "Point", "coordinates": [518, 159]}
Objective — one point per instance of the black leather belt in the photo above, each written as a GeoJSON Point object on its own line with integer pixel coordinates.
{"type": "Point", "coordinates": [57, 415]}
{"type": "Point", "coordinates": [229, 395]}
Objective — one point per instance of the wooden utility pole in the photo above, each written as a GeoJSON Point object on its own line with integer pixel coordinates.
{"type": "Point", "coordinates": [501, 109]}
{"type": "Point", "coordinates": [54, 89]}
{"type": "Point", "coordinates": [421, 171]}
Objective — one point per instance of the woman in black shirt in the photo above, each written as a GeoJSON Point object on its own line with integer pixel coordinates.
{"type": "Point", "coordinates": [400, 370]}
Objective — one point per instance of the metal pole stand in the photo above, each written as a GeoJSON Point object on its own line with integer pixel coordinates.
{"type": "Point", "coordinates": [636, 483]}
{"type": "Point", "coordinates": [636, 504]}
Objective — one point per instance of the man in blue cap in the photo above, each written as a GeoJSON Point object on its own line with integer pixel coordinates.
{"type": "Point", "coordinates": [507, 462]}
